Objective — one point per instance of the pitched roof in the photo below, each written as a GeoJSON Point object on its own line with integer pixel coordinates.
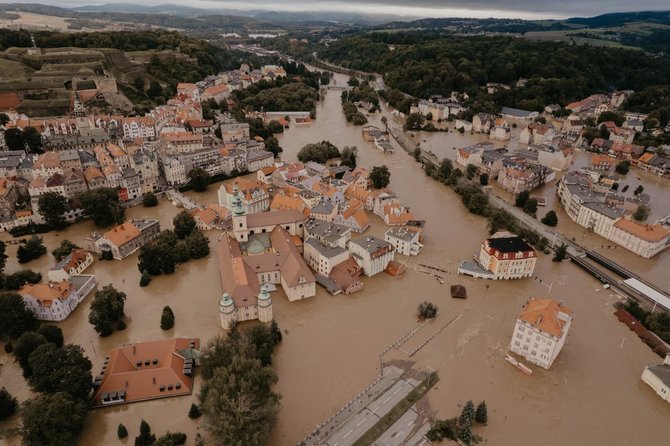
{"type": "Point", "coordinates": [649, 233]}
{"type": "Point", "coordinates": [47, 293]}
{"type": "Point", "coordinates": [47, 160]}
{"type": "Point", "coordinates": [546, 315]}
{"type": "Point", "coordinates": [140, 370]}
{"type": "Point", "coordinates": [122, 234]}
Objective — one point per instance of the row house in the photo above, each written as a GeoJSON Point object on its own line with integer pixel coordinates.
{"type": "Point", "coordinates": [537, 133]}
{"type": "Point", "coordinates": [254, 197]}
{"type": "Point", "coordinates": [516, 176]}
{"type": "Point", "coordinates": [143, 127]}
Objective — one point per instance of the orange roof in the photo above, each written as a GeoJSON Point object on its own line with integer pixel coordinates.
{"type": "Point", "coordinates": [284, 202]}
{"type": "Point", "coordinates": [122, 234]}
{"type": "Point", "coordinates": [180, 136]}
{"type": "Point", "coordinates": [546, 315]}
{"type": "Point", "coordinates": [47, 160]}
{"type": "Point", "coordinates": [646, 157]}
{"type": "Point", "coordinates": [5, 185]}
{"type": "Point", "coordinates": [216, 89]}
{"type": "Point", "coordinates": [91, 173]}
{"type": "Point", "coordinates": [185, 85]}
{"type": "Point", "coordinates": [602, 159]}
{"type": "Point", "coordinates": [75, 258]}
{"type": "Point", "coordinates": [358, 193]}
{"type": "Point", "coordinates": [37, 183]}
{"type": "Point", "coordinates": [115, 150]}
{"type": "Point", "coordinates": [397, 215]}
{"type": "Point", "coordinates": [46, 293]}
{"type": "Point", "coordinates": [268, 170]}
{"type": "Point", "coordinates": [141, 369]}
{"type": "Point", "coordinates": [649, 233]}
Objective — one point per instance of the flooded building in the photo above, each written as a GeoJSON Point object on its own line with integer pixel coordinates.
{"type": "Point", "coordinates": [658, 378]}
{"type": "Point", "coordinates": [145, 371]}
{"type": "Point", "coordinates": [507, 256]}
{"type": "Point", "coordinates": [540, 331]}
{"type": "Point", "coordinates": [406, 240]}
{"type": "Point", "coordinates": [372, 254]}
{"type": "Point", "coordinates": [124, 239]}
{"type": "Point", "coordinates": [74, 263]}
{"type": "Point", "coordinates": [54, 301]}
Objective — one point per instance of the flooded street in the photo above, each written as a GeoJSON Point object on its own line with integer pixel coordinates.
{"type": "Point", "coordinates": [592, 395]}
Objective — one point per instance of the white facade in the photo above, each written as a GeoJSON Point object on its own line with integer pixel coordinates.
{"type": "Point", "coordinates": [323, 258]}
{"type": "Point", "coordinates": [371, 254]}
{"type": "Point", "coordinates": [540, 332]}
{"type": "Point", "coordinates": [405, 241]}
{"type": "Point", "coordinates": [658, 378]}
{"type": "Point", "coordinates": [55, 301]}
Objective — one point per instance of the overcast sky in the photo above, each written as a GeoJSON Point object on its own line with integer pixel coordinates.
{"type": "Point", "coordinates": [423, 8]}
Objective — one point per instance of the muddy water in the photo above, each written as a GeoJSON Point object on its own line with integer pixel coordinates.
{"type": "Point", "coordinates": [332, 344]}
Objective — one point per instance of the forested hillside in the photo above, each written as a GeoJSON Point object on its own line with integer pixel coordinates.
{"type": "Point", "coordinates": [556, 72]}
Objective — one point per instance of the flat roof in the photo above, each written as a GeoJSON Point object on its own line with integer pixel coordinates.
{"type": "Point", "coordinates": [647, 291]}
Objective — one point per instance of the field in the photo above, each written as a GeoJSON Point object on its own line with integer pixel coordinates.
{"type": "Point", "coordinates": [569, 36]}
{"type": "Point", "coordinates": [10, 70]}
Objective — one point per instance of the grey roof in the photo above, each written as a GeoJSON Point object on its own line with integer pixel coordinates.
{"type": "Point", "coordinates": [662, 372]}
{"type": "Point", "coordinates": [318, 228]}
{"type": "Point", "coordinates": [326, 251]}
{"type": "Point", "coordinates": [509, 111]}
{"type": "Point", "coordinates": [402, 233]}
{"type": "Point", "coordinates": [324, 207]}
{"type": "Point", "coordinates": [606, 210]}
{"type": "Point", "coordinates": [68, 155]}
{"type": "Point", "coordinates": [10, 161]}
{"type": "Point", "coordinates": [370, 243]}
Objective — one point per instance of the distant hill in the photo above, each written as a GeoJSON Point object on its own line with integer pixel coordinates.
{"type": "Point", "coordinates": [621, 18]}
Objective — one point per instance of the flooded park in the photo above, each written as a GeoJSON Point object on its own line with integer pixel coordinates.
{"type": "Point", "coordinates": [332, 344]}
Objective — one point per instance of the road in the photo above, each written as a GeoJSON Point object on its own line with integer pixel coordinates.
{"type": "Point", "coordinates": [349, 432]}
{"type": "Point", "coordinates": [399, 431]}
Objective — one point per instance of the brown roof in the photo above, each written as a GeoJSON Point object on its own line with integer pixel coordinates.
{"type": "Point", "coordinates": [237, 278]}
{"type": "Point", "coordinates": [46, 293]}
{"type": "Point", "coordinates": [280, 202]}
{"type": "Point", "coordinates": [122, 233]}
{"type": "Point", "coordinates": [5, 185]}
{"type": "Point", "coordinates": [543, 314]}
{"type": "Point", "coordinates": [279, 217]}
{"type": "Point", "coordinates": [47, 160]}
{"type": "Point", "coordinates": [127, 371]}
{"type": "Point", "coordinates": [649, 233]}
{"type": "Point", "coordinates": [76, 257]}
{"type": "Point", "coordinates": [91, 173]}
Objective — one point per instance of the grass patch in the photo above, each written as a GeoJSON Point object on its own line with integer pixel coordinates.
{"type": "Point", "coordinates": [398, 410]}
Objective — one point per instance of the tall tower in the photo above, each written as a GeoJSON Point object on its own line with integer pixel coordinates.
{"type": "Point", "coordinates": [264, 305]}
{"type": "Point", "coordinates": [227, 311]}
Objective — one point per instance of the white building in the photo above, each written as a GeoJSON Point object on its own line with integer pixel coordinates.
{"type": "Point", "coordinates": [74, 263]}
{"type": "Point", "coordinates": [643, 239]}
{"type": "Point", "coordinates": [54, 301]}
{"type": "Point", "coordinates": [372, 254]}
{"type": "Point", "coordinates": [406, 240]}
{"type": "Point", "coordinates": [322, 258]}
{"type": "Point", "coordinates": [658, 378]}
{"type": "Point", "coordinates": [540, 331]}
{"type": "Point", "coordinates": [507, 256]}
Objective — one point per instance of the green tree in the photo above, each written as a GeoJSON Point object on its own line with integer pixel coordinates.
{"type": "Point", "coordinates": [484, 179]}
{"type": "Point", "coordinates": [167, 318]}
{"type": "Point", "coordinates": [183, 224]}
{"type": "Point", "coordinates": [64, 250]}
{"type": "Point", "coordinates": [24, 346]}
{"type": "Point", "coordinates": [155, 90]}
{"type": "Point", "coordinates": [14, 139]}
{"type": "Point", "coordinates": [427, 310]}
{"type": "Point", "coordinates": [521, 199]}
{"type": "Point", "coordinates": [275, 127]}
{"type": "Point", "coordinates": [52, 206]}
{"type": "Point", "coordinates": [380, 177]}
{"type": "Point", "coordinates": [349, 155]}
{"type": "Point", "coordinates": [157, 258]}
{"type": "Point", "coordinates": [530, 207]}
{"type": "Point", "coordinates": [561, 253]}
{"type": "Point", "coordinates": [638, 190]}
{"type": "Point", "coordinates": [16, 280]}
{"type": "Point", "coordinates": [272, 145]}
{"type": "Point", "coordinates": [145, 278]}
{"type": "Point", "coordinates": [445, 169]}
{"type": "Point", "coordinates": [149, 200]}
{"type": "Point", "coordinates": [121, 431]}
{"type": "Point", "coordinates": [467, 414]}
{"type": "Point", "coordinates": [194, 412]}
{"type": "Point", "coordinates": [32, 249]}
{"type": "Point", "coordinates": [8, 404]}
{"type": "Point", "coordinates": [319, 152]}
{"type": "Point", "coordinates": [181, 253]}
{"type": "Point", "coordinates": [414, 121]}
{"type": "Point", "coordinates": [106, 310]}
{"type": "Point", "coordinates": [470, 171]}
{"type": "Point", "coordinates": [63, 369]}
{"type": "Point", "coordinates": [52, 334]}
{"type": "Point", "coordinates": [171, 439]}
{"type": "Point", "coordinates": [224, 394]}
{"type": "Point", "coordinates": [33, 140]}
{"type": "Point", "coordinates": [465, 433]}
{"type": "Point", "coordinates": [65, 420]}
{"type": "Point", "coordinates": [429, 169]}
{"type": "Point", "coordinates": [146, 438]}
{"type": "Point", "coordinates": [623, 167]}
{"type": "Point", "coordinates": [16, 318]}
{"type": "Point", "coordinates": [4, 119]}
{"type": "Point", "coordinates": [550, 219]}
{"type": "Point", "coordinates": [276, 332]}
{"type": "Point", "coordinates": [199, 179]}
{"type": "Point", "coordinates": [641, 213]}
{"type": "Point", "coordinates": [481, 414]}
{"type": "Point", "coordinates": [103, 206]}
{"type": "Point", "coordinates": [416, 153]}
{"type": "Point", "coordinates": [198, 244]}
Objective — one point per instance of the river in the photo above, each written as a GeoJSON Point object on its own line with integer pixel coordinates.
{"type": "Point", "coordinates": [592, 395]}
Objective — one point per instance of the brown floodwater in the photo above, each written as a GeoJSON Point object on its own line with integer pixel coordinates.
{"type": "Point", "coordinates": [592, 395]}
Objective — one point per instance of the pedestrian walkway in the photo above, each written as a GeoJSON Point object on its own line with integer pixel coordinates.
{"type": "Point", "coordinates": [181, 200]}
